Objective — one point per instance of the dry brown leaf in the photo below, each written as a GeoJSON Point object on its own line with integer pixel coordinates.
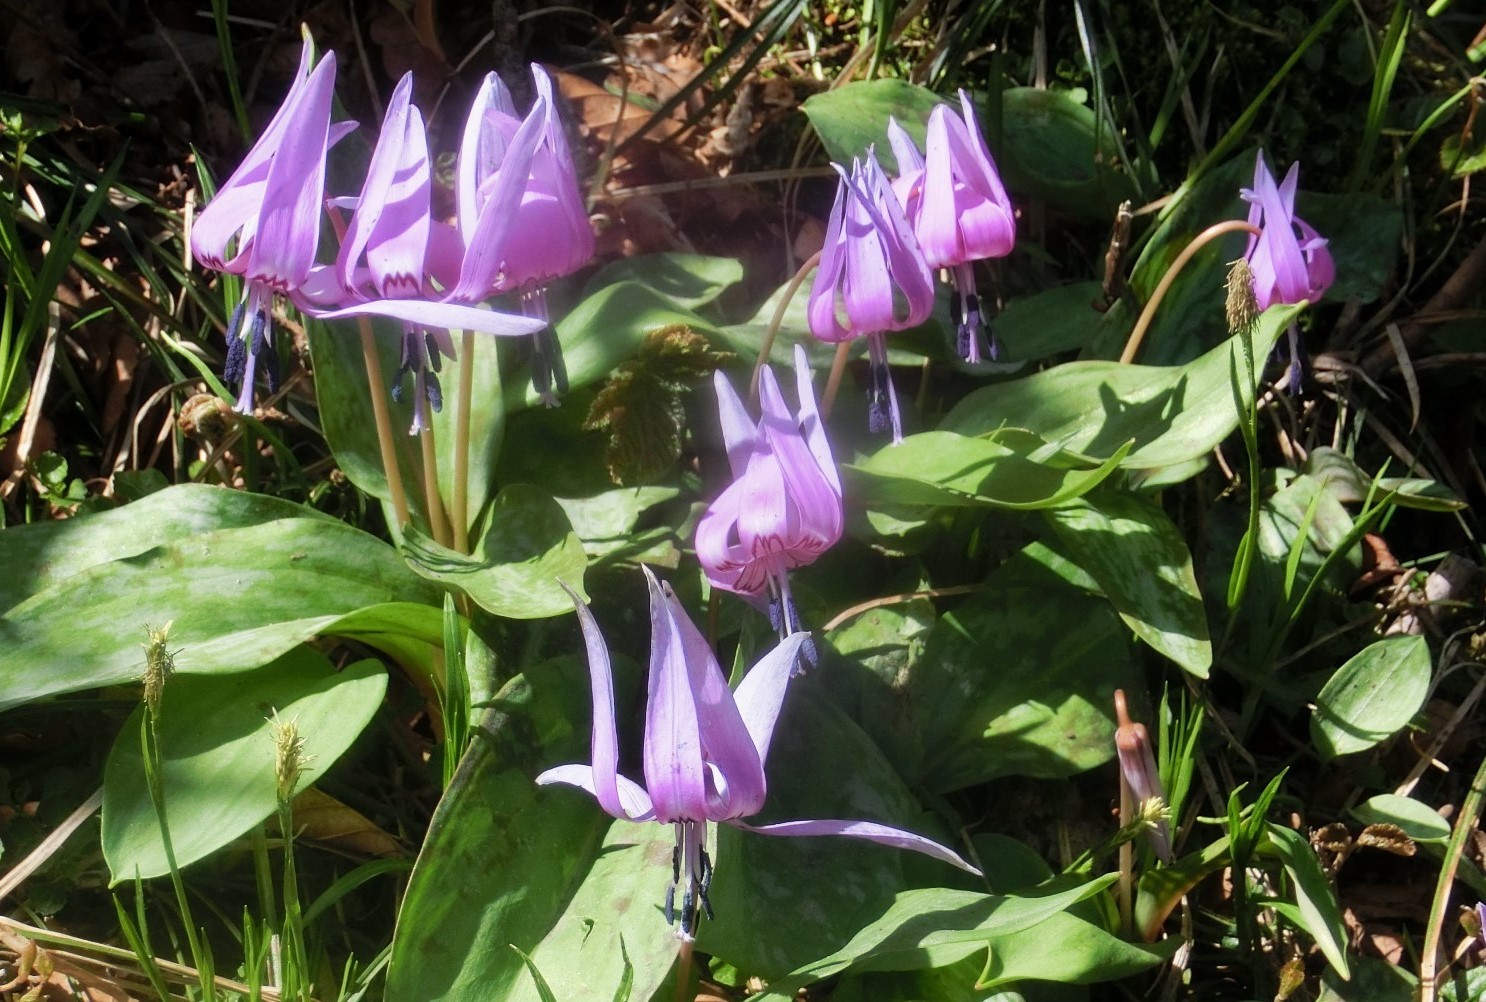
{"type": "Point", "coordinates": [321, 817]}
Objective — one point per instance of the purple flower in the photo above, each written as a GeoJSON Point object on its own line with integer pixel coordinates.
{"type": "Point", "coordinates": [1288, 257]}
{"type": "Point", "coordinates": [521, 214]}
{"type": "Point", "coordinates": [704, 751]}
{"type": "Point", "coordinates": [387, 255]}
{"type": "Point", "coordinates": [872, 278]}
{"type": "Point", "coordinates": [264, 222]}
{"type": "Point", "coordinates": [958, 207]}
{"type": "Point", "coordinates": [1140, 774]}
{"type": "Point", "coordinates": [783, 508]}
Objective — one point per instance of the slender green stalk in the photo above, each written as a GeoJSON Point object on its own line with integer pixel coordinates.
{"type": "Point", "coordinates": [229, 68]}
{"type": "Point", "coordinates": [460, 503]}
{"type": "Point", "coordinates": [1465, 825]}
{"type": "Point", "coordinates": [777, 320]}
{"type": "Point", "coordinates": [438, 520]}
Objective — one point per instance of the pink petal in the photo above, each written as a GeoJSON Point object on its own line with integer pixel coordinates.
{"type": "Point", "coordinates": [738, 431]}
{"type": "Point", "coordinates": [868, 831]}
{"type": "Point", "coordinates": [810, 423]}
{"type": "Point", "coordinates": [824, 307]}
{"type": "Point", "coordinates": [761, 693]}
{"type": "Point", "coordinates": [450, 316]}
{"type": "Point", "coordinates": [633, 801]}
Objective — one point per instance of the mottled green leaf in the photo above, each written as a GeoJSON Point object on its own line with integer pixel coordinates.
{"type": "Point", "coordinates": [852, 119]}
{"type": "Point", "coordinates": [1172, 414]}
{"type": "Point", "coordinates": [690, 281]}
{"type": "Point", "coordinates": [238, 599]}
{"type": "Point", "coordinates": [1417, 820]}
{"type": "Point", "coordinates": [1315, 901]}
{"type": "Point", "coordinates": [527, 548]}
{"type": "Point", "coordinates": [1129, 545]}
{"type": "Point", "coordinates": [1009, 468]}
{"type": "Point", "coordinates": [1371, 697]}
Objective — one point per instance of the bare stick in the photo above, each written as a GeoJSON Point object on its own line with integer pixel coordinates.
{"type": "Point", "coordinates": [833, 381]}
{"type": "Point", "coordinates": [384, 422]}
{"type": "Point", "coordinates": [438, 521]}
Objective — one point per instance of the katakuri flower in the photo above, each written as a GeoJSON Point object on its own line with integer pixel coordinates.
{"type": "Point", "coordinates": [387, 256]}
{"type": "Point", "coordinates": [1141, 777]}
{"type": "Point", "coordinates": [1288, 257]}
{"type": "Point", "coordinates": [959, 210]}
{"type": "Point", "coordinates": [264, 222]}
{"type": "Point", "coordinates": [872, 278]}
{"type": "Point", "coordinates": [783, 508]}
{"type": "Point", "coordinates": [704, 751]}
{"type": "Point", "coordinates": [521, 213]}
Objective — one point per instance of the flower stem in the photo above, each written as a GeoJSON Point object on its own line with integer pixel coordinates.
{"type": "Point", "coordinates": [683, 971]}
{"type": "Point", "coordinates": [438, 522]}
{"type": "Point", "coordinates": [1132, 346]}
{"type": "Point", "coordinates": [384, 422]}
{"type": "Point", "coordinates": [833, 381]}
{"type": "Point", "coordinates": [778, 319]}
{"type": "Point", "coordinates": [1465, 825]}
{"type": "Point", "coordinates": [460, 503]}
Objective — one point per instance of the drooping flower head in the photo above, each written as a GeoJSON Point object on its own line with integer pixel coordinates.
{"type": "Point", "coordinates": [1140, 775]}
{"type": "Point", "coordinates": [387, 255]}
{"type": "Point", "coordinates": [872, 278]}
{"type": "Point", "coordinates": [521, 213]}
{"type": "Point", "coordinates": [959, 210]}
{"type": "Point", "coordinates": [1288, 257]}
{"type": "Point", "coordinates": [704, 751]}
{"type": "Point", "coordinates": [783, 508]}
{"type": "Point", "coordinates": [264, 221]}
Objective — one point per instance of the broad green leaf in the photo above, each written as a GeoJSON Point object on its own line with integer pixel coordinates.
{"type": "Point", "coordinates": [1172, 414]}
{"type": "Point", "coordinates": [41, 554]}
{"type": "Point", "coordinates": [1129, 545]}
{"type": "Point", "coordinates": [540, 868]}
{"type": "Point", "coordinates": [821, 765]}
{"type": "Point", "coordinates": [1068, 950]}
{"type": "Point", "coordinates": [1049, 322]}
{"type": "Point", "coordinates": [217, 755]}
{"type": "Point", "coordinates": [527, 549]}
{"type": "Point", "coordinates": [604, 330]}
{"type": "Point", "coordinates": [1049, 151]}
{"type": "Point", "coordinates": [1164, 887]}
{"type": "Point", "coordinates": [1018, 679]}
{"type": "Point", "coordinates": [344, 396]}
{"type": "Point", "coordinates": [690, 281]}
{"type": "Point", "coordinates": [1418, 821]}
{"type": "Point", "coordinates": [954, 924]}
{"type": "Point", "coordinates": [1315, 902]}
{"type": "Point", "coordinates": [1371, 697]}
{"type": "Point", "coordinates": [1376, 980]}
{"type": "Point", "coordinates": [852, 119]}
{"type": "Point", "coordinates": [1008, 468]}
{"type": "Point", "coordinates": [606, 522]}
{"type": "Point", "coordinates": [238, 598]}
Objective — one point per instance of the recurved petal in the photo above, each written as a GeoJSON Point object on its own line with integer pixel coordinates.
{"type": "Point", "coordinates": [739, 433]}
{"type": "Point", "coordinates": [451, 316]}
{"type": "Point", "coordinates": [824, 307]}
{"type": "Point", "coordinates": [905, 150]}
{"type": "Point", "coordinates": [500, 196]}
{"type": "Point", "coordinates": [692, 725]}
{"type": "Point", "coordinates": [811, 425]}
{"type": "Point", "coordinates": [491, 123]}
{"type": "Point", "coordinates": [604, 774]}
{"type": "Point", "coordinates": [761, 693]}
{"type": "Point", "coordinates": [868, 831]}
{"type": "Point", "coordinates": [634, 802]}
{"type": "Point", "coordinates": [289, 226]}
{"type": "Point", "coordinates": [813, 500]}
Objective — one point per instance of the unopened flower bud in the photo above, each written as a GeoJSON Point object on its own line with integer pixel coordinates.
{"type": "Point", "coordinates": [1139, 773]}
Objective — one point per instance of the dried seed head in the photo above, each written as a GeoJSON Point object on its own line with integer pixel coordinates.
{"type": "Point", "coordinates": [1242, 307]}
{"type": "Point", "coordinates": [289, 756]}
{"type": "Point", "coordinates": [159, 665]}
